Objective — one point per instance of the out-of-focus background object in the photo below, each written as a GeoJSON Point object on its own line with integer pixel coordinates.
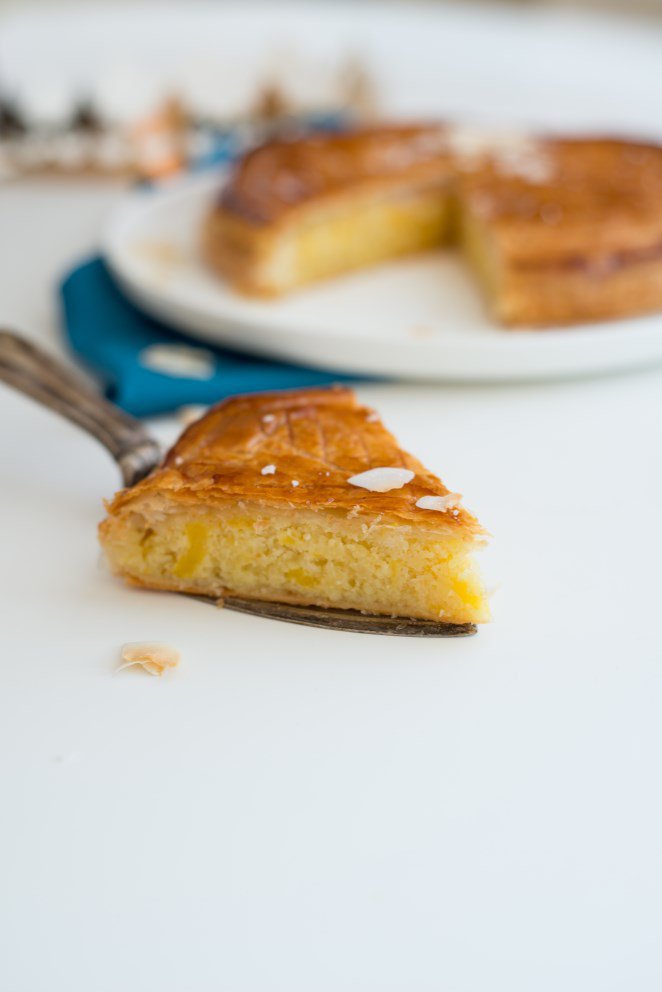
{"type": "Point", "coordinates": [114, 94]}
{"type": "Point", "coordinates": [210, 82]}
{"type": "Point", "coordinates": [81, 93]}
{"type": "Point", "coordinates": [629, 7]}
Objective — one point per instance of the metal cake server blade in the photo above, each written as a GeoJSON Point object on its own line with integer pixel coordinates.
{"type": "Point", "coordinates": [334, 619]}
{"type": "Point", "coordinates": [34, 372]}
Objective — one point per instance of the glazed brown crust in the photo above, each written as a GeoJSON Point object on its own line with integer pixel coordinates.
{"type": "Point", "coordinates": [317, 438]}
{"type": "Point", "coordinates": [231, 248]}
{"type": "Point", "coordinates": [584, 245]}
{"type": "Point", "coordinates": [602, 195]}
{"type": "Point", "coordinates": [276, 179]}
{"type": "Point", "coordinates": [557, 296]}
{"type": "Point", "coordinates": [601, 200]}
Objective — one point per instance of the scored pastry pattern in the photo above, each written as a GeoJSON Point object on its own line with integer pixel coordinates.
{"type": "Point", "coordinates": [293, 449]}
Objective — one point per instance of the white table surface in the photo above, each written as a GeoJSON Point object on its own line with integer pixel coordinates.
{"type": "Point", "coordinates": [299, 810]}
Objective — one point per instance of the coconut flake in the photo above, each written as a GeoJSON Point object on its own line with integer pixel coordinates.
{"type": "Point", "coordinates": [154, 658]}
{"type": "Point", "coordinates": [268, 470]}
{"type": "Point", "coordinates": [439, 503]}
{"type": "Point", "coordinates": [382, 480]}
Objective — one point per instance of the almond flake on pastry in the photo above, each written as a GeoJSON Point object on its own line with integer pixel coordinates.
{"type": "Point", "coordinates": [382, 480]}
{"type": "Point", "coordinates": [439, 503]}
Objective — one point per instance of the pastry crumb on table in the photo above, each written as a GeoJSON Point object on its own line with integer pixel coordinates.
{"type": "Point", "coordinates": [152, 656]}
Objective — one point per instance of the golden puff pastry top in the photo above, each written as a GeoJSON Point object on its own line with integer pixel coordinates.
{"type": "Point", "coordinates": [277, 177]}
{"type": "Point", "coordinates": [542, 196]}
{"type": "Point", "coordinates": [596, 196]}
{"type": "Point", "coordinates": [295, 449]}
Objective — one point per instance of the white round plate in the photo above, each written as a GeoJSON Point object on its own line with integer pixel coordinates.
{"type": "Point", "coordinates": [421, 317]}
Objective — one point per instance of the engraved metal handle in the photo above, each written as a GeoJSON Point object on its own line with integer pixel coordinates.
{"type": "Point", "coordinates": [32, 371]}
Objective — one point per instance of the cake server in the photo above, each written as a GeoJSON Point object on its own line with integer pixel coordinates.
{"type": "Point", "coordinates": [32, 371]}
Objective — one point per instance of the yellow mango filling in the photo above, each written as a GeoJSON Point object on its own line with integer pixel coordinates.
{"type": "Point", "coordinates": [191, 558]}
{"type": "Point", "coordinates": [478, 249]}
{"type": "Point", "coordinates": [304, 557]}
{"type": "Point", "coordinates": [371, 232]}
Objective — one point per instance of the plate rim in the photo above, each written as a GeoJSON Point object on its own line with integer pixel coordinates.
{"type": "Point", "coordinates": [580, 350]}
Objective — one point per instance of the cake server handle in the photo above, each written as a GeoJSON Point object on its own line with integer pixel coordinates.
{"type": "Point", "coordinates": [32, 371]}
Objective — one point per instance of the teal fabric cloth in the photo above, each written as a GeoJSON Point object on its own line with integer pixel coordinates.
{"type": "Point", "coordinates": [109, 335]}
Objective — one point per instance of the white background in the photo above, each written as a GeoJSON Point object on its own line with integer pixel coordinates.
{"type": "Point", "coordinates": [301, 810]}
{"type": "Point", "coordinates": [304, 811]}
